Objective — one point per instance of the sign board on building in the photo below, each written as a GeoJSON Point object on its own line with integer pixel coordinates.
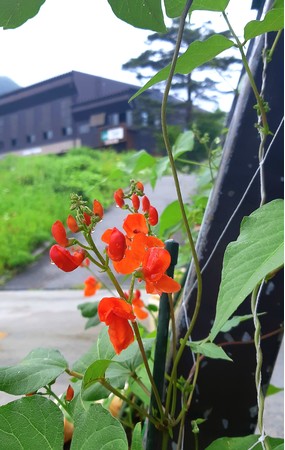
{"type": "Point", "coordinates": [112, 136]}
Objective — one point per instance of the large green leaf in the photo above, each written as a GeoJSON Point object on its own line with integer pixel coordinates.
{"type": "Point", "coordinates": [115, 371]}
{"type": "Point", "coordinates": [97, 429]}
{"type": "Point", "coordinates": [13, 13]}
{"type": "Point", "coordinates": [131, 357]}
{"type": "Point", "coordinates": [209, 349]}
{"type": "Point", "coordinates": [145, 14]}
{"type": "Point", "coordinates": [184, 143]}
{"type": "Point", "coordinates": [175, 8]}
{"type": "Point", "coordinates": [242, 443]}
{"type": "Point", "coordinates": [101, 349]}
{"type": "Point", "coordinates": [209, 5]}
{"type": "Point", "coordinates": [170, 217]}
{"type": "Point", "coordinates": [198, 53]}
{"type": "Point", "coordinates": [257, 252]}
{"type": "Point", "coordinates": [31, 423]}
{"type": "Point", "coordinates": [273, 21]}
{"type": "Point", "coordinates": [39, 368]}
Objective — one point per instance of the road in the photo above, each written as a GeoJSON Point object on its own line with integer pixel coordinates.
{"type": "Point", "coordinates": [44, 275]}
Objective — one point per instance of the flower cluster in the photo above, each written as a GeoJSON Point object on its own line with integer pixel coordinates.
{"type": "Point", "coordinates": [133, 250]}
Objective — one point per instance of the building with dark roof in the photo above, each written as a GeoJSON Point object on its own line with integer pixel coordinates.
{"type": "Point", "coordinates": [77, 109]}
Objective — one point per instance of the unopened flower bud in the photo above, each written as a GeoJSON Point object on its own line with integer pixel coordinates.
{"type": "Point", "coordinates": [69, 393]}
{"type": "Point", "coordinates": [59, 233]}
{"type": "Point", "coordinates": [119, 197]}
{"type": "Point", "coordinates": [145, 203]}
{"type": "Point", "coordinates": [135, 202]}
{"type": "Point", "coordinates": [72, 224]}
{"type": "Point", "coordinates": [140, 187]}
{"type": "Point", "coordinates": [98, 209]}
{"type": "Point", "coordinates": [152, 216]}
{"type": "Point", "coordinates": [117, 245]}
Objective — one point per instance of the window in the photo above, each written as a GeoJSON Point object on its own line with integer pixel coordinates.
{"type": "Point", "coordinates": [144, 118]}
{"type": "Point", "coordinates": [14, 142]}
{"type": "Point", "coordinates": [84, 128]}
{"type": "Point", "coordinates": [113, 119]}
{"type": "Point", "coordinates": [2, 145]}
{"type": "Point", "coordinates": [129, 118]}
{"type": "Point", "coordinates": [47, 135]}
{"type": "Point", "coordinates": [66, 131]}
{"type": "Point", "coordinates": [31, 138]}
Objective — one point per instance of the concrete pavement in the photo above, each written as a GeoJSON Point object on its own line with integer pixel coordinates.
{"type": "Point", "coordinates": [50, 318]}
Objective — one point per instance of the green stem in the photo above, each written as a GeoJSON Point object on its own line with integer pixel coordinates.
{"type": "Point", "coordinates": [114, 391]}
{"type": "Point", "coordinates": [259, 360]}
{"type": "Point", "coordinates": [74, 374]}
{"type": "Point", "coordinates": [52, 394]}
{"type": "Point", "coordinates": [180, 200]}
{"type": "Point", "coordinates": [140, 383]}
{"type": "Point", "coordinates": [271, 51]}
{"type": "Point", "coordinates": [251, 78]}
{"type": "Point", "coordinates": [144, 357]}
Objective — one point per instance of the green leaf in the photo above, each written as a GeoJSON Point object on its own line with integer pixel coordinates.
{"type": "Point", "coordinates": [39, 368]}
{"type": "Point", "coordinates": [137, 438]}
{"type": "Point", "coordinates": [209, 5]}
{"type": "Point", "coordinates": [170, 217]}
{"type": "Point", "coordinates": [184, 143]}
{"type": "Point", "coordinates": [271, 390]}
{"type": "Point", "coordinates": [209, 349]}
{"type": "Point", "coordinates": [97, 428]}
{"type": "Point", "coordinates": [273, 21]}
{"type": "Point", "coordinates": [257, 252]}
{"type": "Point", "coordinates": [131, 357]}
{"type": "Point", "coordinates": [175, 8]}
{"type": "Point", "coordinates": [147, 14]}
{"type": "Point", "coordinates": [30, 423]}
{"type": "Point", "coordinates": [198, 53]}
{"type": "Point", "coordinates": [13, 13]}
{"type": "Point", "coordinates": [241, 443]}
{"type": "Point", "coordinates": [234, 322]}
{"type": "Point", "coordinates": [140, 161]}
{"type": "Point", "coordinates": [101, 349]}
{"type": "Point", "coordinates": [115, 371]}
{"type": "Point", "coordinates": [92, 322]}
{"type": "Point", "coordinates": [88, 309]}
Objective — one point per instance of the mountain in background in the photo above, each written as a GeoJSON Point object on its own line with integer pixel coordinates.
{"type": "Point", "coordinates": [7, 85]}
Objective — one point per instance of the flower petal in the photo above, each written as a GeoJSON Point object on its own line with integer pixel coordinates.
{"type": "Point", "coordinates": [135, 223]}
{"type": "Point", "coordinates": [120, 333]}
{"type": "Point", "coordinates": [164, 284]}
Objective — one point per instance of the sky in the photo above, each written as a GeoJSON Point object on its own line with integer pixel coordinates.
{"type": "Point", "coordinates": [84, 35]}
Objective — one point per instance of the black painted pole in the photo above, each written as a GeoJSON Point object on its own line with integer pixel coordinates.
{"type": "Point", "coordinates": [153, 440]}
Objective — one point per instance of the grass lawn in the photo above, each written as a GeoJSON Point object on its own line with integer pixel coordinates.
{"type": "Point", "coordinates": [35, 191]}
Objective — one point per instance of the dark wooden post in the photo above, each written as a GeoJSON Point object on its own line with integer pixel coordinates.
{"type": "Point", "coordinates": [225, 393]}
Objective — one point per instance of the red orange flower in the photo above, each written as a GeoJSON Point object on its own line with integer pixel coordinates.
{"type": "Point", "coordinates": [139, 306]}
{"type": "Point", "coordinates": [59, 233]}
{"type": "Point", "coordinates": [91, 286]}
{"type": "Point", "coordinates": [116, 313]}
{"type": "Point", "coordinates": [155, 263]}
{"type": "Point", "coordinates": [64, 259]}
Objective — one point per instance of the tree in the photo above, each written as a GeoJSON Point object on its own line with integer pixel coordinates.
{"type": "Point", "coordinates": [155, 59]}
